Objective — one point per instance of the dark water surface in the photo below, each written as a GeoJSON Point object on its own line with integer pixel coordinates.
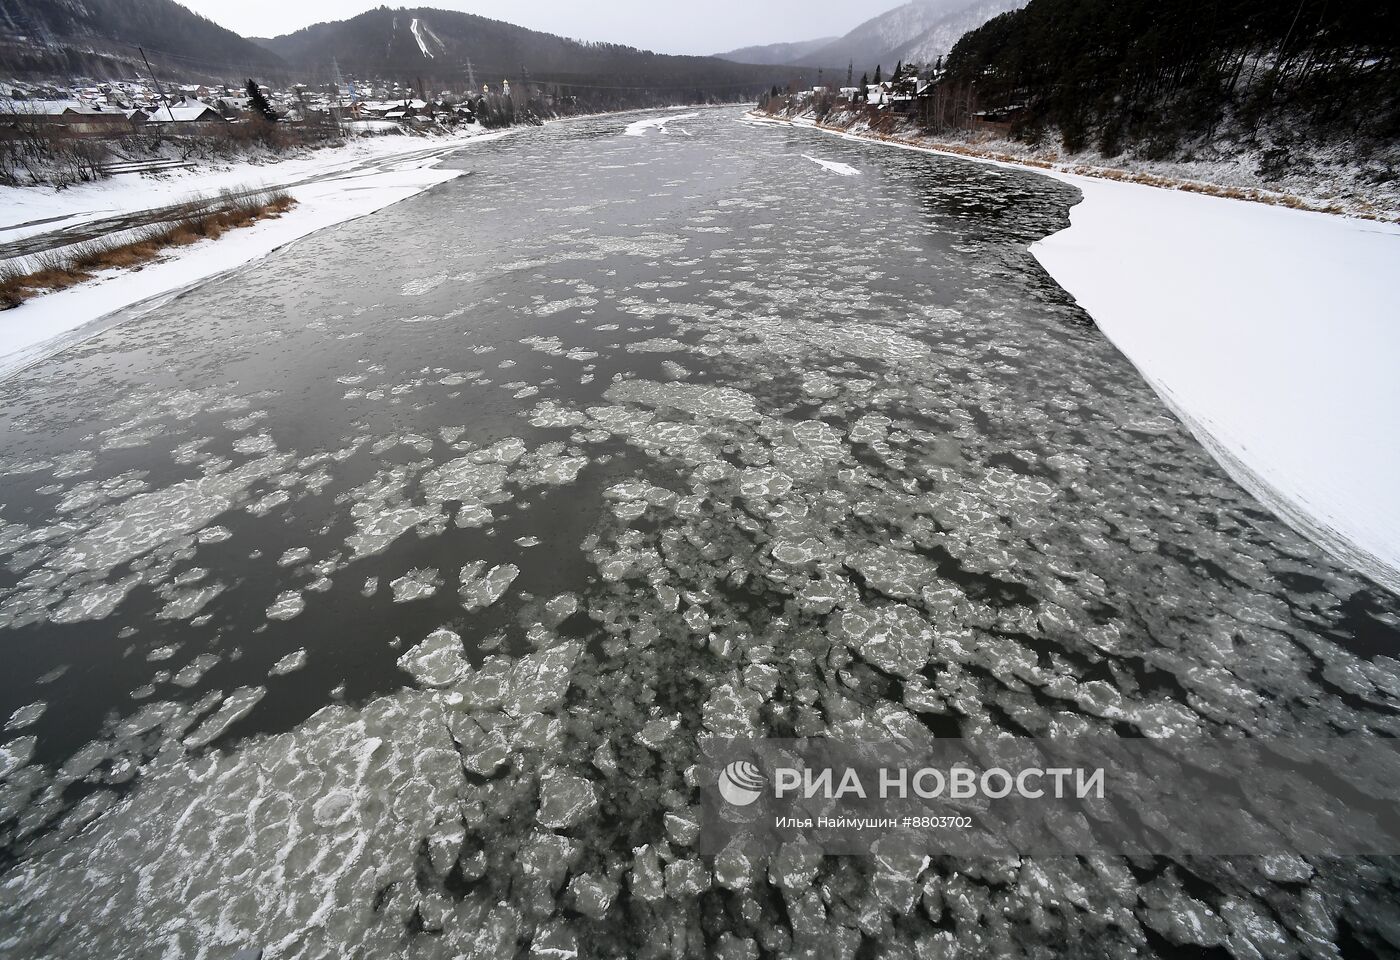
{"type": "Point", "coordinates": [678, 433]}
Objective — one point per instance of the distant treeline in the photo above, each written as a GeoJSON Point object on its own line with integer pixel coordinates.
{"type": "Point", "coordinates": [1156, 72]}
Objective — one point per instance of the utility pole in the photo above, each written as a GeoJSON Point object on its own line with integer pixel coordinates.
{"type": "Point", "coordinates": [339, 108]}
{"type": "Point", "coordinates": [154, 80]}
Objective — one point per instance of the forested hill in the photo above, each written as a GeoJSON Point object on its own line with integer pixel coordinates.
{"type": "Point", "coordinates": [101, 37]}
{"type": "Point", "coordinates": [437, 46]}
{"type": "Point", "coordinates": [776, 53]}
{"type": "Point", "coordinates": [1160, 73]}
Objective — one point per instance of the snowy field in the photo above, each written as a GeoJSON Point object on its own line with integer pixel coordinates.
{"type": "Point", "coordinates": [1269, 331]}
{"type": "Point", "coordinates": [330, 187]}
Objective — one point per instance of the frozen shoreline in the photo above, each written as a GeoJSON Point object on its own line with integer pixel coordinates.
{"type": "Point", "coordinates": [349, 184]}
{"type": "Point", "coordinates": [1269, 331]}
{"type": "Point", "coordinates": [25, 211]}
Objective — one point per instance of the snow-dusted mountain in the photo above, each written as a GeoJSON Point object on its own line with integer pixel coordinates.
{"type": "Point", "coordinates": [940, 36]}
{"type": "Point", "coordinates": [919, 31]}
{"type": "Point", "coordinates": [776, 53]}
{"type": "Point", "coordinates": [437, 45]}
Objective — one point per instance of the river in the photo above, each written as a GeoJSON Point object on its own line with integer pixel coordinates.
{"type": "Point", "coordinates": [678, 433]}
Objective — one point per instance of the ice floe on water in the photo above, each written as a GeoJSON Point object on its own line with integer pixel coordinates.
{"type": "Point", "coordinates": [438, 661]}
{"type": "Point", "coordinates": [481, 587]}
{"type": "Point", "coordinates": [289, 603]}
{"type": "Point", "coordinates": [415, 585]}
{"type": "Point", "coordinates": [26, 715]}
{"type": "Point", "coordinates": [722, 402]}
{"type": "Point", "coordinates": [234, 708]}
{"type": "Point", "coordinates": [639, 128]}
{"type": "Point", "coordinates": [294, 556]}
{"type": "Point", "coordinates": [835, 166]}
{"type": "Point", "coordinates": [863, 474]}
{"type": "Point", "coordinates": [421, 285]}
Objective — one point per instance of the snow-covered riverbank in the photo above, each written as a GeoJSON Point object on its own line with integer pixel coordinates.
{"type": "Point", "coordinates": [1270, 331]}
{"type": "Point", "coordinates": [1332, 180]}
{"type": "Point", "coordinates": [25, 211]}
{"type": "Point", "coordinates": [330, 187]}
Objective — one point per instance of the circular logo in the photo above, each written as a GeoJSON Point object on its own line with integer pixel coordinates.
{"type": "Point", "coordinates": [740, 783]}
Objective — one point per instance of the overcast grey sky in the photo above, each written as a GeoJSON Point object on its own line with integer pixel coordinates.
{"type": "Point", "coordinates": [666, 26]}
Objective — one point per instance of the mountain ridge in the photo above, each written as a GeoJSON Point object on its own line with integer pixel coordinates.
{"type": "Point", "coordinates": [107, 37]}
{"type": "Point", "coordinates": [919, 31]}
{"type": "Point", "coordinates": [430, 43]}
{"type": "Point", "coordinates": [776, 54]}
{"type": "Point", "coordinates": [416, 45]}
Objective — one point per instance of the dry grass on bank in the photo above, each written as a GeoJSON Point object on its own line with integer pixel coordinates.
{"type": "Point", "coordinates": [206, 220]}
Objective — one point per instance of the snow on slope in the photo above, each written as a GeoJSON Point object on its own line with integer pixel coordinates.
{"type": "Point", "coordinates": [1272, 333]}
{"type": "Point", "coordinates": [45, 324]}
{"type": "Point", "coordinates": [876, 40]}
{"type": "Point", "coordinates": [896, 26]}
{"type": "Point", "coordinates": [417, 31]}
{"type": "Point", "coordinates": [936, 40]}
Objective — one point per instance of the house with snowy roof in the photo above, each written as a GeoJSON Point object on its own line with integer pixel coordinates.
{"type": "Point", "coordinates": [67, 117]}
{"type": "Point", "coordinates": [187, 116]}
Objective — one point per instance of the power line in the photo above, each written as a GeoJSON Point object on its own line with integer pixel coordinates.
{"type": "Point", "coordinates": [159, 90]}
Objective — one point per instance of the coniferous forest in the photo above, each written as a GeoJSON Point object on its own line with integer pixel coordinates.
{"type": "Point", "coordinates": [1153, 74]}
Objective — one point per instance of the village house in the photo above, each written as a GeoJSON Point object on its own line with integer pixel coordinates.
{"type": "Point", "coordinates": [69, 117]}
{"type": "Point", "coordinates": [186, 116]}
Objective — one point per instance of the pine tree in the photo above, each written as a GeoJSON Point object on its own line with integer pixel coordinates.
{"type": "Point", "coordinates": [877, 74]}
{"type": "Point", "coordinates": [257, 103]}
